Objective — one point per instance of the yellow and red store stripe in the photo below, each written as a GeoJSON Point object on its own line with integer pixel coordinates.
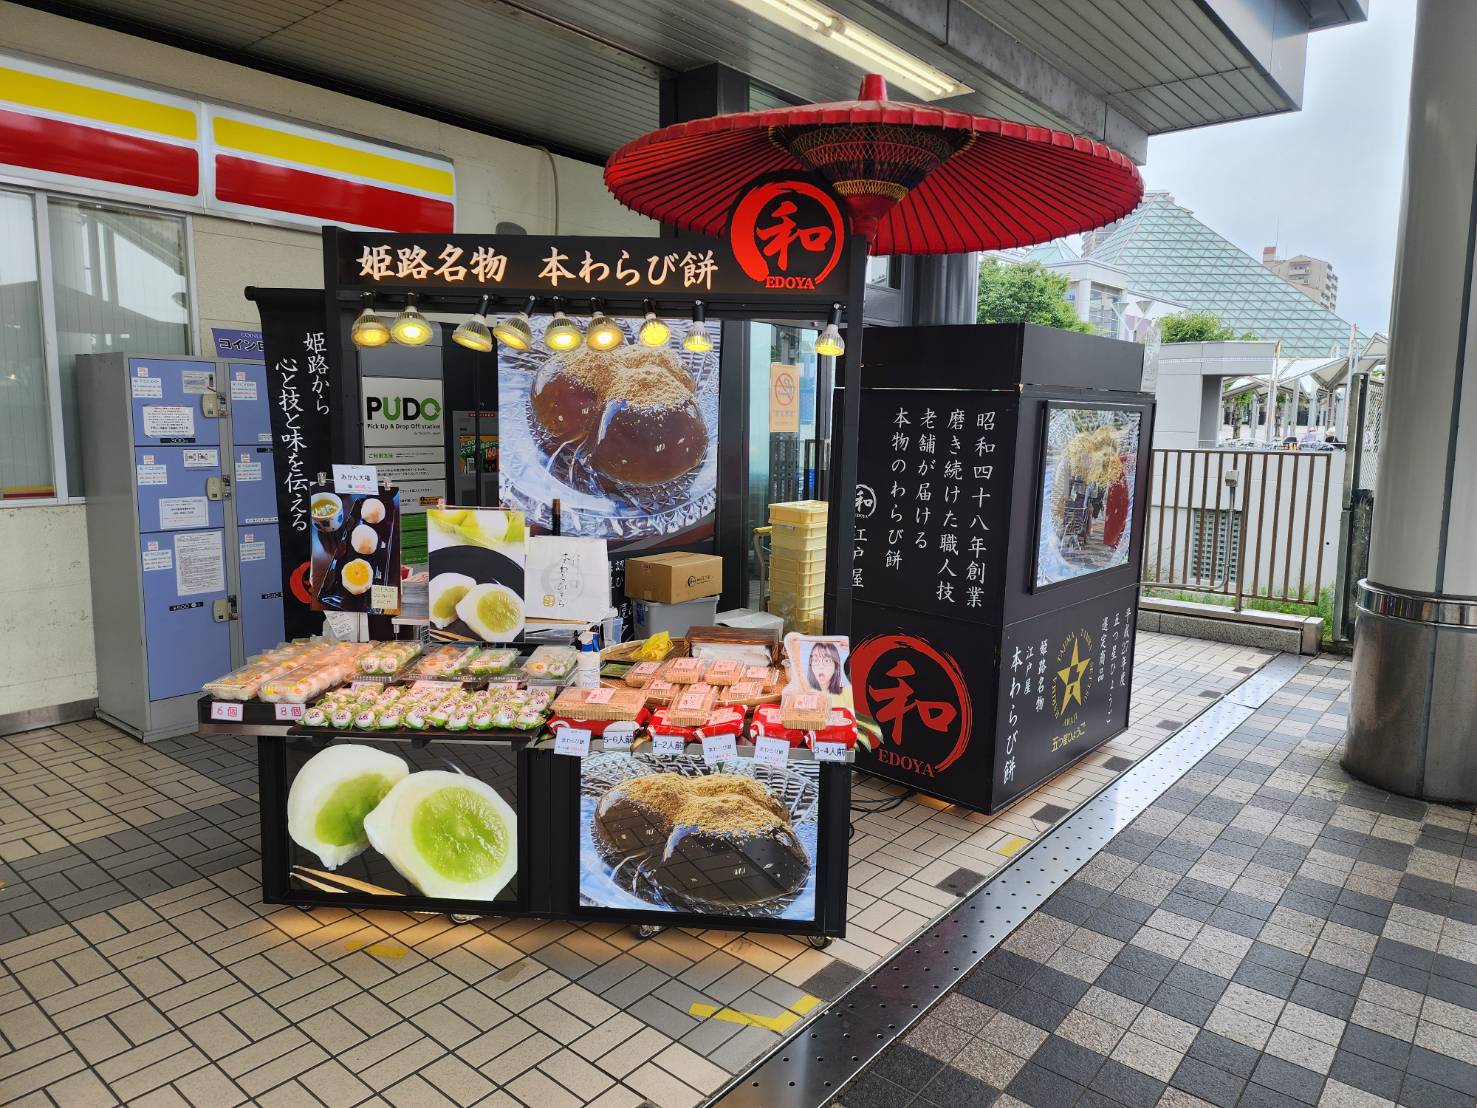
{"type": "Point", "coordinates": [80, 130]}
{"type": "Point", "coordinates": [261, 165]}
{"type": "Point", "coordinates": [60, 122]}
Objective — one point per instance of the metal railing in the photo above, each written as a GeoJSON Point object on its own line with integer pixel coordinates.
{"type": "Point", "coordinates": [1239, 523]}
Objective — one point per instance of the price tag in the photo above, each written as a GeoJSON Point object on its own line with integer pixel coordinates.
{"type": "Point", "coordinates": [428, 686]}
{"type": "Point", "coordinates": [364, 684]}
{"type": "Point", "coordinates": [619, 736]}
{"type": "Point", "coordinates": [574, 743]}
{"type": "Point", "coordinates": [769, 751]}
{"type": "Point", "coordinates": [228, 710]}
{"type": "Point", "coordinates": [667, 744]}
{"type": "Point", "coordinates": [288, 711]}
{"type": "Point", "coordinates": [352, 479]}
{"type": "Point", "coordinates": [830, 752]}
{"type": "Point", "coordinates": [385, 598]}
{"type": "Point", "coordinates": [718, 749]}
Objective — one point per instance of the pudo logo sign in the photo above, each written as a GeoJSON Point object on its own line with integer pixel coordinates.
{"type": "Point", "coordinates": [787, 233]}
{"type": "Point", "coordinates": [402, 409]}
{"type": "Point", "coordinates": [918, 696]}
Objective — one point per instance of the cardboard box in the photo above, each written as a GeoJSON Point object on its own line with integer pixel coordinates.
{"type": "Point", "coordinates": [674, 578]}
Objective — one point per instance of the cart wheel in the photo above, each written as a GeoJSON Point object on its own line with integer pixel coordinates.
{"type": "Point", "coordinates": [819, 942]}
{"type": "Point", "coordinates": [648, 930]}
{"type": "Point", "coordinates": [455, 918]}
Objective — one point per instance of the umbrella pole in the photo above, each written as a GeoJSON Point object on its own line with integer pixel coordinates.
{"type": "Point", "coordinates": [844, 447]}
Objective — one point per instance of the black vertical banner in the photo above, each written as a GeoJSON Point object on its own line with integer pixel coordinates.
{"type": "Point", "coordinates": [294, 338]}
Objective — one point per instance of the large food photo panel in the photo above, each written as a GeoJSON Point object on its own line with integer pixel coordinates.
{"type": "Point", "coordinates": [477, 559]}
{"type": "Point", "coordinates": [626, 439]}
{"type": "Point", "coordinates": [673, 834]}
{"type": "Point", "coordinates": [371, 818]}
{"type": "Point", "coordinates": [1088, 469]}
{"type": "Point", "coordinates": [356, 546]}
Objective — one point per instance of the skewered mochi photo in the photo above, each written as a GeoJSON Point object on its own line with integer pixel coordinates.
{"type": "Point", "coordinates": [624, 438]}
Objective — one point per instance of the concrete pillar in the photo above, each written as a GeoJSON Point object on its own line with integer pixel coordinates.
{"type": "Point", "coordinates": [1084, 299]}
{"type": "Point", "coordinates": [1413, 716]}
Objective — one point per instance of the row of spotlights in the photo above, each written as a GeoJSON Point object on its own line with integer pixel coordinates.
{"type": "Point", "coordinates": [411, 328]}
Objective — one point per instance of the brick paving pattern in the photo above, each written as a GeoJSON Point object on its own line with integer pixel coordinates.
{"type": "Point", "coordinates": [1270, 933]}
{"type": "Point", "coordinates": [138, 965]}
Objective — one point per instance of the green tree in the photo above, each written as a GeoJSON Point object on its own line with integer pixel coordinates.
{"type": "Point", "coordinates": [1198, 327]}
{"type": "Point", "coordinates": [1026, 293]}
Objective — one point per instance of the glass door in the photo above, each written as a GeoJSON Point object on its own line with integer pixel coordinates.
{"type": "Point", "coordinates": [784, 449]}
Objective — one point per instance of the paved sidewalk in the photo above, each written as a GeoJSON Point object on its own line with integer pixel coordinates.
{"type": "Point", "coordinates": [138, 964]}
{"type": "Point", "coordinates": [1270, 933]}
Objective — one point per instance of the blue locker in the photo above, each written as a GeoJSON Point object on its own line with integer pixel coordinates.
{"type": "Point", "coordinates": [260, 599]}
{"type": "Point", "coordinates": [168, 400]}
{"type": "Point", "coordinates": [184, 574]}
{"type": "Point", "coordinates": [254, 485]}
{"type": "Point", "coordinates": [251, 415]}
{"type": "Point", "coordinates": [172, 487]}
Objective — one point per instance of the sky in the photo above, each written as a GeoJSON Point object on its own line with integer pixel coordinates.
{"type": "Point", "coordinates": [1324, 181]}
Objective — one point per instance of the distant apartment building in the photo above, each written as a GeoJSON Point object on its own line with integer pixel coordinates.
{"type": "Point", "coordinates": [1313, 277]}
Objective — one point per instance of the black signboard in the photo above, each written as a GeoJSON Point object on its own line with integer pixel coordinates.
{"type": "Point", "coordinates": [613, 268]}
{"type": "Point", "coordinates": [980, 714]}
{"type": "Point", "coordinates": [298, 386]}
{"type": "Point", "coordinates": [930, 684]}
{"type": "Point", "coordinates": [1065, 678]}
{"type": "Point", "coordinates": [933, 500]}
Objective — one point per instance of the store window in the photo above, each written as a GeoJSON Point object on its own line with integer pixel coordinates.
{"type": "Point", "coordinates": [118, 281]}
{"type": "Point", "coordinates": [25, 424]}
{"type": "Point", "coordinates": [121, 283]}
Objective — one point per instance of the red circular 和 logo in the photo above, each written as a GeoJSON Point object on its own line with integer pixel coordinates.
{"type": "Point", "coordinates": [918, 696]}
{"type": "Point", "coordinates": [787, 234]}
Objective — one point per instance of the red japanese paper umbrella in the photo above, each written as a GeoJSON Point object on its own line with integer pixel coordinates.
{"type": "Point", "coordinates": [917, 180]}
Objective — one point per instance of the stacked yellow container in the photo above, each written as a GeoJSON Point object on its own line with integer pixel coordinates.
{"type": "Point", "coordinates": [797, 564]}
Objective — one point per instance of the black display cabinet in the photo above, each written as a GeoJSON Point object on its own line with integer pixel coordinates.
{"type": "Point", "coordinates": [1000, 503]}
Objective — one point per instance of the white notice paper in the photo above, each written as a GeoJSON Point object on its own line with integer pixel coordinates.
{"type": "Point", "coordinates": [667, 744]}
{"type": "Point", "coordinates": [207, 457]}
{"type": "Point", "coordinates": [254, 551]}
{"type": "Point", "coordinates": [148, 388]}
{"type": "Point", "coordinates": [178, 512]}
{"type": "Point", "coordinates": [351, 479]}
{"type": "Point", "coordinates": [197, 381]}
{"type": "Point", "coordinates": [769, 751]}
{"type": "Point", "coordinates": [199, 563]}
{"type": "Point", "coordinates": [168, 421]}
{"type": "Point", "coordinates": [574, 743]}
{"type": "Point", "coordinates": [158, 559]}
{"type": "Point", "coordinates": [248, 471]}
{"type": "Point", "coordinates": [243, 390]}
{"type": "Point", "coordinates": [618, 735]}
{"type": "Point", "coordinates": [718, 749]}
{"type": "Point", "coordinates": [153, 475]}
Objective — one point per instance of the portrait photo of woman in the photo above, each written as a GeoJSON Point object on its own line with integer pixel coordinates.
{"type": "Point", "coordinates": [818, 664]}
{"type": "Point", "coordinates": [823, 669]}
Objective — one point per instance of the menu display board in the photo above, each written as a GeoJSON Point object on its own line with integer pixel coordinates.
{"type": "Point", "coordinates": [933, 500]}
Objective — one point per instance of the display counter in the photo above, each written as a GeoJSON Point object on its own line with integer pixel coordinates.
{"type": "Point", "coordinates": [484, 823]}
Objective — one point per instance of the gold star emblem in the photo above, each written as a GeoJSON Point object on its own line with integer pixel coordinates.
{"type": "Point", "coordinates": [1071, 677]}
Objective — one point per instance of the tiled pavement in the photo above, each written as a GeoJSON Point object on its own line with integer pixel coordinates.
{"type": "Point", "coordinates": [1270, 933]}
{"type": "Point", "coordinates": [138, 964]}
